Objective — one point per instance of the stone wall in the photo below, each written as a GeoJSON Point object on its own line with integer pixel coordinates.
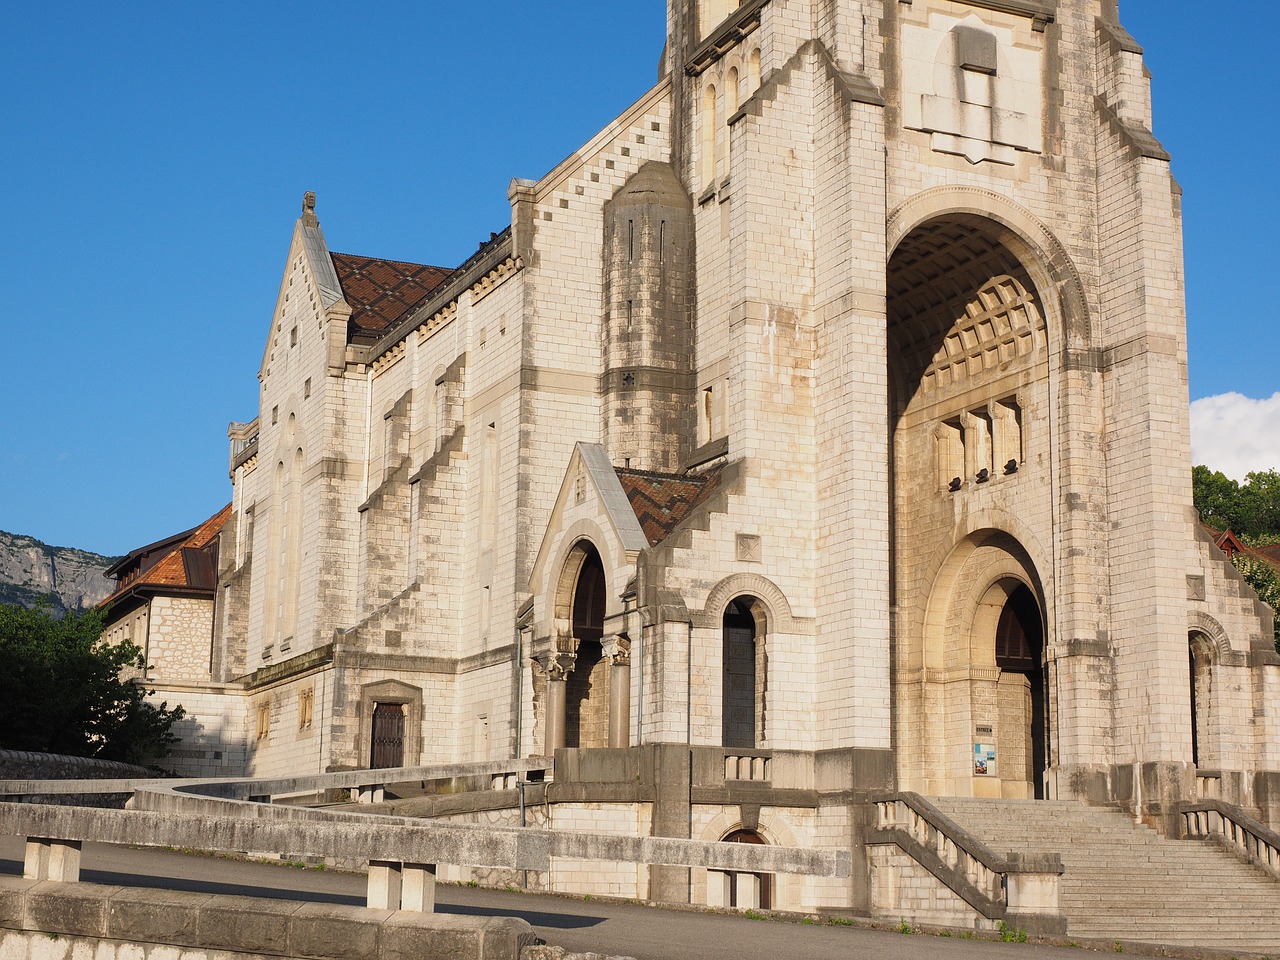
{"type": "Point", "coordinates": [26, 765]}
{"type": "Point", "coordinates": [54, 921]}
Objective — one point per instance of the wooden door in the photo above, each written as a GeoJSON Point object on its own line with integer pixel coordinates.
{"type": "Point", "coordinates": [388, 735]}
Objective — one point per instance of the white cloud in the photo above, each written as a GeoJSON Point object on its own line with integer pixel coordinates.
{"type": "Point", "coordinates": [1236, 434]}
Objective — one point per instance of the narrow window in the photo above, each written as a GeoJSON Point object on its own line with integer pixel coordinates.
{"type": "Point", "coordinates": [708, 121]}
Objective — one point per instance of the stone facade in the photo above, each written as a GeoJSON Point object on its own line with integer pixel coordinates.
{"type": "Point", "coordinates": [828, 410]}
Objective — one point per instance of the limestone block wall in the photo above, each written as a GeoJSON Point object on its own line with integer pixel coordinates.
{"type": "Point", "coordinates": [704, 566]}
{"type": "Point", "coordinates": [901, 889]}
{"type": "Point", "coordinates": [301, 491]}
{"type": "Point", "coordinates": [562, 215]}
{"type": "Point", "coordinates": [600, 876]}
{"type": "Point", "coordinates": [1232, 649]}
{"type": "Point", "coordinates": [212, 733]}
{"type": "Point", "coordinates": [131, 628]}
{"type": "Point", "coordinates": [179, 638]}
{"type": "Point", "coordinates": [288, 727]}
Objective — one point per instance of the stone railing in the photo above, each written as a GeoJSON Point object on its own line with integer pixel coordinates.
{"type": "Point", "coordinates": [1208, 785]}
{"type": "Point", "coordinates": [1020, 889]}
{"type": "Point", "coordinates": [237, 817]}
{"type": "Point", "coordinates": [1234, 829]}
{"type": "Point", "coordinates": [756, 765]}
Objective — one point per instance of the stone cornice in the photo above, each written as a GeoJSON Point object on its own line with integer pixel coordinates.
{"type": "Point", "coordinates": [1041, 12]}
{"type": "Point", "coordinates": [744, 21]}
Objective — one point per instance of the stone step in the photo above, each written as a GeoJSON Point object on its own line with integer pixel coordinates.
{"type": "Point", "coordinates": [1123, 881]}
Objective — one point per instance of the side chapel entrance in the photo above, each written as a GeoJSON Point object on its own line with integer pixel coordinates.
{"type": "Point", "coordinates": [387, 749]}
{"type": "Point", "coordinates": [587, 691]}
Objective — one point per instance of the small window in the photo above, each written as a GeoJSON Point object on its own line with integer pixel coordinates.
{"type": "Point", "coordinates": [264, 719]}
{"type": "Point", "coordinates": [306, 708]}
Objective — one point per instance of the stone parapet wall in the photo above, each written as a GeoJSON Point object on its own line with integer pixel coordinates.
{"type": "Point", "coordinates": [28, 765]}
{"type": "Point", "coordinates": [44, 921]}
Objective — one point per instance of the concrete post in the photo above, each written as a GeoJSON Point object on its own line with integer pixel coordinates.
{"type": "Point", "coordinates": [718, 894]}
{"type": "Point", "coordinates": [418, 887]}
{"type": "Point", "coordinates": [618, 650]}
{"type": "Point", "coordinates": [384, 885]}
{"type": "Point", "coordinates": [746, 890]}
{"type": "Point", "coordinates": [57, 860]}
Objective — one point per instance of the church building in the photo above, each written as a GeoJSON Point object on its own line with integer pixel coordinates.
{"type": "Point", "coordinates": [818, 430]}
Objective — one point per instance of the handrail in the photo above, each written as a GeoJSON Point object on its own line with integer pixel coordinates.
{"type": "Point", "coordinates": [1234, 829]}
{"type": "Point", "coordinates": [972, 870]}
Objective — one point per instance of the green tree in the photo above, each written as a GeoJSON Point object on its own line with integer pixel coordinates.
{"type": "Point", "coordinates": [1250, 509]}
{"type": "Point", "coordinates": [63, 690]}
{"type": "Point", "coordinates": [1266, 583]}
{"type": "Point", "coordinates": [1217, 498]}
{"type": "Point", "coordinates": [1260, 505]}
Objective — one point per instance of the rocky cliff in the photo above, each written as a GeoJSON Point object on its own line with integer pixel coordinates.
{"type": "Point", "coordinates": [31, 571]}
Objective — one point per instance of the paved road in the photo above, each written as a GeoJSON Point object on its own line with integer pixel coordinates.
{"type": "Point", "coordinates": [627, 929]}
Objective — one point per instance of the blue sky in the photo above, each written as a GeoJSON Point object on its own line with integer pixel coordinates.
{"type": "Point", "coordinates": [155, 156]}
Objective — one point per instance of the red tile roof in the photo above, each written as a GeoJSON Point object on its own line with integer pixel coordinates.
{"type": "Point", "coordinates": [1230, 544]}
{"type": "Point", "coordinates": [662, 501]}
{"type": "Point", "coordinates": [383, 292]}
{"type": "Point", "coordinates": [171, 569]}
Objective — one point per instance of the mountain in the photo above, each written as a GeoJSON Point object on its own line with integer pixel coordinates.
{"type": "Point", "coordinates": [31, 571]}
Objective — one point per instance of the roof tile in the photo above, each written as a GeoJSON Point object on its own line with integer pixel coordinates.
{"type": "Point", "coordinates": [662, 501]}
{"type": "Point", "coordinates": [383, 292]}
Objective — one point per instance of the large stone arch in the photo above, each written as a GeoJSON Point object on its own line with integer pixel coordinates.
{"type": "Point", "coordinates": [950, 550]}
{"type": "Point", "coordinates": [1027, 238]}
{"type": "Point", "coordinates": [986, 318]}
{"type": "Point", "coordinates": [559, 575]}
{"type": "Point", "coordinates": [1218, 643]}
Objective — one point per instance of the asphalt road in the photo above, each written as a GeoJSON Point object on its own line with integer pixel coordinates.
{"type": "Point", "coordinates": [618, 928]}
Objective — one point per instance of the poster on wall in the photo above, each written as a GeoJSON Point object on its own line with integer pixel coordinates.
{"type": "Point", "coordinates": [984, 759]}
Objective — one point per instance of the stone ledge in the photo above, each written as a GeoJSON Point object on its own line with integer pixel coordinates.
{"type": "Point", "coordinates": [248, 925]}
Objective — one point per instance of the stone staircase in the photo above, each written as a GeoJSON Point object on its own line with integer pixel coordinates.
{"type": "Point", "coordinates": [1123, 881]}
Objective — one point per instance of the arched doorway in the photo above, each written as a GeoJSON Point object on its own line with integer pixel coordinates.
{"type": "Point", "coordinates": [587, 690]}
{"type": "Point", "coordinates": [744, 674]}
{"type": "Point", "coordinates": [1019, 654]}
{"type": "Point", "coordinates": [1200, 650]}
{"type": "Point", "coordinates": [739, 889]}
{"type": "Point", "coordinates": [983, 727]}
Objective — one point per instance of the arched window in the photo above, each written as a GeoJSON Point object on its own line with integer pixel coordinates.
{"type": "Point", "coordinates": [745, 672]}
{"type": "Point", "coordinates": [1200, 655]}
{"type": "Point", "coordinates": [708, 122]}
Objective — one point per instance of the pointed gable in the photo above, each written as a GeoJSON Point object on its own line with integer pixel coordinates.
{"type": "Point", "coordinates": [606, 502]}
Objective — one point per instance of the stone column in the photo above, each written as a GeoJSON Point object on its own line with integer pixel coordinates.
{"type": "Point", "coordinates": [618, 650]}
{"type": "Point", "coordinates": [558, 667]}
